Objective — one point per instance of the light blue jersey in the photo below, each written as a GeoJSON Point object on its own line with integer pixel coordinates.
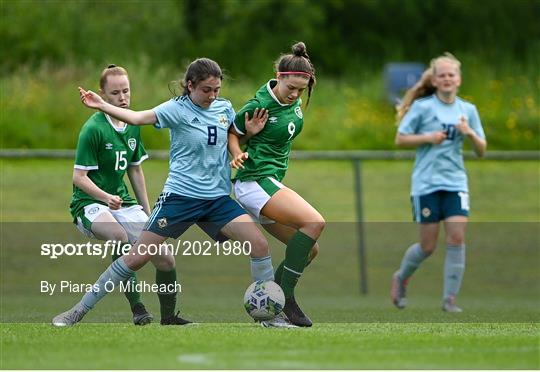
{"type": "Point", "coordinates": [439, 167]}
{"type": "Point", "coordinates": [198, 163]}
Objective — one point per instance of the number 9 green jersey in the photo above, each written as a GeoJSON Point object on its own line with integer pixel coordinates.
{"type": "Point", "coordinates": [270, 148]}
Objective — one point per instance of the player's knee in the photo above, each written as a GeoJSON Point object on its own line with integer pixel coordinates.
{"type": "Point", "coordinates": [259, 246]}
{"type": "Point", "coordinates": [164, 263]}
{"type": "Point", "coordinates": [455, 239]}
{"type": "Point", "coordinates": [314, 228]}
{"type": "Point", "coordinates": [118, 234]}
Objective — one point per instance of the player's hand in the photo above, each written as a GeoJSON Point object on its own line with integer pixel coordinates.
{"type": "Point", "coordinates": [238, 160]}
{"type": "Point", "coordinates": [114, 202]}
{"type": "Point", "coordinates": [90, 99]}
{"type": "Point", "coordinates": [436, 138]}
{"type": "Point", "coordinates": [463, 127]}
{"type": "Point", "coordinates": [257, 122]}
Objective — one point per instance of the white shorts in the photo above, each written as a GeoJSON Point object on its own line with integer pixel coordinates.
{"type": "Point", "coordinates": [253, 196]}
{"type": "Point", "coordinates": [132, 219]}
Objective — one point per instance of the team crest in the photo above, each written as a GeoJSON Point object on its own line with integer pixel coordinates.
{"type": "Point", "coordinates": [298, 112]}
{"type": "Point", "coordinates": [93, 210]}
{"type": "Point", "coordinates": [222, 119]}
{"type": "Point", "coordinates": [162, 222]}
{"type": "Point", "coordinates": [132, 143]}
{"type": "Point", "coordinates": [426, 212]}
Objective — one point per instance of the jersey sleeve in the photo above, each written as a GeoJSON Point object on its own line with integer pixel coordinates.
{"type": "Point", "coordinates": [86, 155]}
{"type": "Point", "coordinates": [239, 119]}
{"type": "Point", "coordinates": [139, 155]}
{"type": "Point", "coordinates": [411, 121]}
{"type": "Point", "coordinates": [475, 123]}
{"type": "Point", "coordinates": [231, 115]}
{"type": "Point", "coordinates": [167, 114]}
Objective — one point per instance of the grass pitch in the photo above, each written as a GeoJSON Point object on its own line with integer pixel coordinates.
{"type": "Point", "coordinates": [501, 291]}
{"type": "Point", "coordinates": [247, 346]}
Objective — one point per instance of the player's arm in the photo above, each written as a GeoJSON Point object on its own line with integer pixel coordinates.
{"type": "Point", "coordinates": [238, 156]}
{"type": "Point", "coordinates": [136, 177]}
{"type": "Point", "coordinates": [414, 140]}
{"type": "Point", "coordinates": [83, 182]}
{"type": "Point", "coordinates": [410, 134]}
{"type": "Point", "coordinates": [93, 100]}
{"type": "Point", "coordinates": [479, 144]}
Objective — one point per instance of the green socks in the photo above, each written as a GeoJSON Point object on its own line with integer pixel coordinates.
{"type": "Point", "coordinates": [296, 259]}
{"type": "Point", "coordinates": [279, 271]}
{"type": "Point", "coordinates": [167, 300]}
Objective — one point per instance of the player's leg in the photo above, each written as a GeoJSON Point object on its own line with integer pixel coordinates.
{"type": "Point", "coordinates": [284, 234]}
{"type": "Point", "coordinates": [133, 219]}
{"type": "Point", "coordinates": [224, 218]}
{"type": "Point", "coordinates": [456, 208]}
{"type": "Point", "coordinates": [288, 208]}
{"type": "Point", "coordinates": [107, 227]}
{"type": "Point", "coordinates": [168, 219]}
{"type": "Point", "coordinates": [426, 212]}
{"type": "Point", "coordinates": [118, 271]}
{"type": "Point", "coordinates": [166, 279]}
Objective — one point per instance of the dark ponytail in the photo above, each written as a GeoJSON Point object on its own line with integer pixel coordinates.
{"type": "Point", "coordinates": [298, 61]}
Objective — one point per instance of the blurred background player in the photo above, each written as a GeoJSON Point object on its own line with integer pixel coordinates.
{"type": "Point", "coordinates": [101, 205]}
{"type": "Point", "coordinates": [282, 212]}
{"type": "Point", "coordinates": [196, 191]}
{"type": "Point", "coordinates": [436, 121]}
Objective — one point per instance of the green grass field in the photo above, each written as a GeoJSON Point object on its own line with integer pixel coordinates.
{"type": "Point", "coordinates": [501, 291]}
{"type": "Point", "coordinates": [245, 346]}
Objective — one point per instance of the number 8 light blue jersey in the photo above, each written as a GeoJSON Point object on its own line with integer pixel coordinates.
{"type": "Point", "coordinates": [198, 163]}
{"type": "Point", "coordinates": [439, 167]}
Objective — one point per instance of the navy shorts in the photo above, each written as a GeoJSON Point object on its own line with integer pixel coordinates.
{"type": "Point", "coordinates": [439, 205]}
{"type": "Point", "coordinates": [173, 214]}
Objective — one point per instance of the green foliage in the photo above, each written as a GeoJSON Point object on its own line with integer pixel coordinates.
{"type": "Point", "coordinates": [55, 45]}
{"type": "Point", "coordinates": [342, 35]}
{"type": "Point", "coordinates": [41, 107]}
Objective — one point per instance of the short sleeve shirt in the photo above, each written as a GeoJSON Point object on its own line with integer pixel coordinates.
{"type": "Point", "coordinates": [198, 164]}
{"type": "Point", "coordinates": [106, 152]}
{"type": "Point", "coordinates": [269, 149]}
{"type": "Point", "coordinates": [439, 167]}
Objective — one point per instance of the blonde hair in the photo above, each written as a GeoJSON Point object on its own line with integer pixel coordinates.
{"type": "Point", "coordinates": [424, 87]}
{"type": "Point", "coordinates": [109, 71]}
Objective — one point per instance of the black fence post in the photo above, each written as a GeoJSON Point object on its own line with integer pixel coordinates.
{"type": "Point", "coordinates": [357, 165]}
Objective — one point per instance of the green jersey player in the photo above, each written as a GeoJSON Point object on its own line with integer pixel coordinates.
{"type": "Point", "coordinates": [258, 188]}
{"type": "Point", "coordinates": [108, 149]}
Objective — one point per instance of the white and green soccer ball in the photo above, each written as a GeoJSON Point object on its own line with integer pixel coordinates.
{"type": "Point", "coordinates": [264, 300]}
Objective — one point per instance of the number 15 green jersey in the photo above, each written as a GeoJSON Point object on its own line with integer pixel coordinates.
{"type": "Point", "coordinates": [269, 149]}
{"type": "Point", "coordinates": [106, 152]}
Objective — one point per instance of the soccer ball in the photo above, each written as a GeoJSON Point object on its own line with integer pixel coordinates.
{"type": "Point", "coordinates": [264, 300]}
